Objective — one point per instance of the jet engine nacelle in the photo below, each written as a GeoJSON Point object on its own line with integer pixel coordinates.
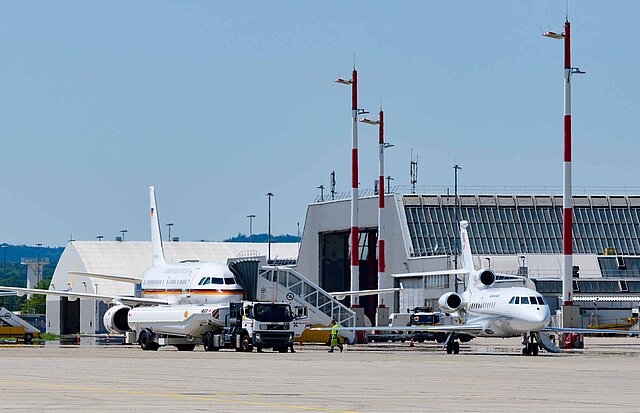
{"type": "Point", "coordinates": [450, 302]}
{"type": "Point", "coordinates": [487, 277]}
{"type": "Point", "coordinates": [115, 319]}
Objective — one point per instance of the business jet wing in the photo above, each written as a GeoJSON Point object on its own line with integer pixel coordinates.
{"type": "Point", "coordinates": [589, 331]}
{"type": "Point", "coordinates": [99, 297]}
{"type": "Point", "coordinates": [472, 329]}
{"type": "Point", "coordinates": [340, 295]}
{"type": "Point", "coordinates": [112, 277]}
{"type": "Point", "coordinates": [420, 274]}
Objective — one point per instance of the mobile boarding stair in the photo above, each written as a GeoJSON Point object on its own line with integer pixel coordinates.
{"type": "Point", "coordinates": [12, 326]}
{"type": "Point", "coordinates": [276, 283]}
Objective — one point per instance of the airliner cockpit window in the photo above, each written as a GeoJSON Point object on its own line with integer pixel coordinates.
{"type": "Point", "coordinates": [517, 300]}
{"type": "Point", "coordinates": [202, 280]}
{"type": "Point", "coordinates": [207, 280]}
{"type": "Point", "coordinates": [216, 280]}
{"type": "Point", "coordinates": [541, 300]}
{"type": "Point", "coordinates": [513, 300]}
{"type": "Point", "coordinates": [229, 280]}
{"type": "Point", "coordinates": [534, 300]}
{"type": "Point", "coordinates": [524, 300]}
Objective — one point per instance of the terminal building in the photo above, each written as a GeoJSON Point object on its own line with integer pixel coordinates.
{"type": "Point", "coordinates": [512, 234]}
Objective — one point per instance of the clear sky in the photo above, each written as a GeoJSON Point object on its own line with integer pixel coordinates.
{"type": "Point", "coordinates": [217, 103]}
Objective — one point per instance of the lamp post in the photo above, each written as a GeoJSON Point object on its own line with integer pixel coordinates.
{"type": "Point", "coordinates": [269, 195]}
{"type": "Point", "coordinates": [354, 232]}
{"type": "Point", "coordinates": [169, 225]}
{"type": "Point", "coordinates": [567, 200]}
{"type": "Point", "coordinates": [456, 168]}
{"type": "Point", "coordinates": [123, 231]}
{"type": "Point", "coordinates": [4, 258]}
{"type": "Point", "coordinates": [251, 217]}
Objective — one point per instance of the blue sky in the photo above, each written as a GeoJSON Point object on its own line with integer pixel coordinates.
{"type": "Point", "coordinates": [218, 103]}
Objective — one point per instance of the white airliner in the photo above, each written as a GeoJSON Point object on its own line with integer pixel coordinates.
{"type": "Point", "coordinates": [486, 310]}
{"type": "Point", "coordinates": [172, 293]}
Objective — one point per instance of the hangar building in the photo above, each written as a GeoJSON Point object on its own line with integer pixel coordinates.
{"type": "Point", "coordinates": [66, 316]}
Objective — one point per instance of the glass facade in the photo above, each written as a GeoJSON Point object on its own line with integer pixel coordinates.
{"type": "Point", "coordinates": [523, 224]}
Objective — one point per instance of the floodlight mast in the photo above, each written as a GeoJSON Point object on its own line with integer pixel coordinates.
{"type": "Point", "coordinates": [567, 200]}
{"type": "Point", "coordinates": [381, 250]}
{"type": "Point", "coordinates": [355, 255]}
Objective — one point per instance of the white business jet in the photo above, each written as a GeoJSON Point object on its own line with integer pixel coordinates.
{"type": "Point", "coordinates": [173, 294]}
{"type": "Point", "coordinates": [487, 310]}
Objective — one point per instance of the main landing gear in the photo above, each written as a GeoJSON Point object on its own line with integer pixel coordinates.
{"type": "Point", "coordinates": [452, 344]}
{"type": "Point", "coordinates": [530, 343]}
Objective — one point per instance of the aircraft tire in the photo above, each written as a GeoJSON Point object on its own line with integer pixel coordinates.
{"type": "Point", "coordinates": [456, 347]}
{"type": "Point", "coordinates": [533, 349]}
{"type": "Point", "coordinates": [450, 347]}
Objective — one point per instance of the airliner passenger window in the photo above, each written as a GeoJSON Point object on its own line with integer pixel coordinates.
{"type": "Point", "coordinates": [229, 280]}
{"type": "Point", "coordinates": [216, 280]}
{"type": "Point", "coordinates": [524, 300]}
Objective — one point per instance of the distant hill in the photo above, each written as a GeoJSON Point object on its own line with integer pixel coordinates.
{"type": "Point", "coordinates": [17, 252]}
{"type": "Point", "coordinates": [263, 238]}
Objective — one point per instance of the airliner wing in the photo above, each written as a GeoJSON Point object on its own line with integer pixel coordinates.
{"type": "Point", "coordinates": [112, 277]}
{"type": "Point", "coordinates": [590, 331]}
{"type": "Point", "coordinates": [100, 297]}
{"type": "Point", "coordinates": [340, 295]}
{"type": "Point", "coordinates": [472, 329]}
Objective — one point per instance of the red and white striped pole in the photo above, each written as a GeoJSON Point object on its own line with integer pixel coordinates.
{"type": "Point", "coordinates": [567, 200]}
{"type": "Point", "coordinates": [355, 254]}
{"type": "Point", "coordinates": [381, 263]}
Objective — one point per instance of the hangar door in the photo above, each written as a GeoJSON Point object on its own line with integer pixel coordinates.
{"type": "Point", "coordinates": [412, 295]}
{"type": "Point", "coordinates": [335, 270]}
{"type": "Point", "coordinates": [69, 316]}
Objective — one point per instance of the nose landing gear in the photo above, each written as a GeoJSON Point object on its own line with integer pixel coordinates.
{"type": "Point", "coordinates": [530, 343]}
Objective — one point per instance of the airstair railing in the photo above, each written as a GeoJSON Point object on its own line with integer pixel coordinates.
{"type": "Point", "coordinates": [310, 293]}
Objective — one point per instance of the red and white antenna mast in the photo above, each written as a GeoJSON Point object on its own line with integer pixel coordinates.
{"type": "Point", "coordinates": [567, 200]}
{"type": "Point", "coordinates": [355, 255]}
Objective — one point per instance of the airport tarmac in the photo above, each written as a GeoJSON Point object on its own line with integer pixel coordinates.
{"type": "Point", "coordinates": [488, 375]}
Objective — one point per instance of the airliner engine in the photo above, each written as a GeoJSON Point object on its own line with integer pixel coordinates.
{"type": "Point", "coordinates": [115, 319]}
{"type": "Point", "coordinates": [450, 302]}
{"type": "Point", "coordinates": [487, 277]}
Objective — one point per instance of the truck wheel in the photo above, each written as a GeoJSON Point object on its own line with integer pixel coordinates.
{"type": "Point", "coordinates": [207, 342]}
{"type": "Point", "coordinates": [246, 344]}
{"type": "Point", "coordinates": [185, 347]}
{"type": "Point", "coordinates": [146, 341]}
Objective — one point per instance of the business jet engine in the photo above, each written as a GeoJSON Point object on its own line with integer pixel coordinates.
{"type": "Point", "coordinates": [450, 302]}
{"type": "Point", "coordinates": [487, 277]}
{"type": "Point", "coordinates": [115, 319]}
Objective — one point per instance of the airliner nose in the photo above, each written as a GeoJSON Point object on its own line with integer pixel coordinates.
{"type": "Point", "coordinates": [540, 315]}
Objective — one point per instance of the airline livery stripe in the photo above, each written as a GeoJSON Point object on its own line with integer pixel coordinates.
{"type": "Point", "coordinates": [208, 292]}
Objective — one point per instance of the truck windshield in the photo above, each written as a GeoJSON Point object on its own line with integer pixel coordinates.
{"type": "Point", "coordinates": [272, 312]}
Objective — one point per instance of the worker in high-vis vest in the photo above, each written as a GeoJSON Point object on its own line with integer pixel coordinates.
{"type": "Point", "coordinates": [335, 339]}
